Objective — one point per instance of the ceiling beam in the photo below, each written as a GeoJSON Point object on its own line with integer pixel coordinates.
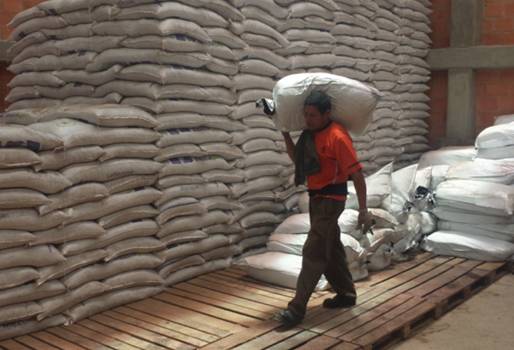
{"type": "Point", "coordinates": [477, 57]}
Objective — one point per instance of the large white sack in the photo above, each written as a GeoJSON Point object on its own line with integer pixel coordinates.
{"type": "Point", "coordinates": [352, 101]}
{"type": "Point", "coordinates": [501, 232]}
{"type": "Point", "coordinates": [378, 188]}
{"type": "Point", "coordinates": [468, 246]}
{"type": "Point", "coordinates": [489, 170]}
{"type": "Point", "coordinates": [469, 216]}
{"type": "Point", "coordinates": [399, 200]}
{"type": "Point", "coordinates": [277, 268]}
{"type": "Point", "coordinates": [298, 223]}
{"type": "Point", "coordinates": [447, 156]}
{"type": "Point", "coordinates": [480, 196]}
{"type": "Point", "coordinates": [293, 244]}
{"type": "Point", "coordinates": [504, 119]}
{"type": "Point", "coordinates": [501, 135]}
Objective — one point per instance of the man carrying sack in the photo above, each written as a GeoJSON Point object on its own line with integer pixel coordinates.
{"type": "Point", "coordinates": [324, 155]}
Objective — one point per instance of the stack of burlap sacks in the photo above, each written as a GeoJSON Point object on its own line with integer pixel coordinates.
{"type": "Point", "coordinates": [78, 223]}
{"type": "Point", "coordinates": [206, 176]}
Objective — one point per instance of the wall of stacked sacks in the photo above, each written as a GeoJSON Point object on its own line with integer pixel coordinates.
{"type": "Point", "coordinates": [148, 162]}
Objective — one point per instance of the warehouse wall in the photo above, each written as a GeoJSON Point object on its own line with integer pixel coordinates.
{"type": "Point", "coordinates": [494, 89]}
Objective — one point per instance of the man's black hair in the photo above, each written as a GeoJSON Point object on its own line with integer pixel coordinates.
{"type": "Point", "coordinates": [320, 100]}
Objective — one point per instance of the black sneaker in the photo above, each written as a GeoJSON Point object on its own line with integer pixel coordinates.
{"type": "Point", "coordinates": [340, 301]}
{"type": "Point", "coordinates": [288, 318]}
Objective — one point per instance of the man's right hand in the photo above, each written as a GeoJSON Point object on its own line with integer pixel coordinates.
{"type": "Point", "coordinates": [365, 221]}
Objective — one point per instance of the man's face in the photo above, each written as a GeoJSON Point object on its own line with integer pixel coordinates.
{"type": "Point", "coordinates": [314, 119]}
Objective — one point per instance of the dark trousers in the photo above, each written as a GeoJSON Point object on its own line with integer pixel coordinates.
{"type": "Point", "coordinates": [323, 254]}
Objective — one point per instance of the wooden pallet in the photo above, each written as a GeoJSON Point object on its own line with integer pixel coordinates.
{"type": "Point", "coordinates": [229, 310]}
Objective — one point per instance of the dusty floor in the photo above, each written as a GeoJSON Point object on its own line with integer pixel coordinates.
{"type": "Point", "coordinates": [484, 322]}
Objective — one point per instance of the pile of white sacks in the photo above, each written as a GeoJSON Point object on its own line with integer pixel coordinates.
{"type": "Point", "coordinates": [473, 196]}
{"type": "Point", "coordinates": [206, 176]}
{"type": "Point", "coordinates": [399, 228]}
{"type": "Point", "coordinates": [457, 201]}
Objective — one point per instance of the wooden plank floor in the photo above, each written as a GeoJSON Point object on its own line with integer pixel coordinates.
{"type": "Point", "coordinates": [229, 310]}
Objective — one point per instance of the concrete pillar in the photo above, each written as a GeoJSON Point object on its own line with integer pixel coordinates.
{"type": "Point", "coordinates": [465, 32]}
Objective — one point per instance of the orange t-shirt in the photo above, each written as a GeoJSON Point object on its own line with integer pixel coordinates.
{"type": "Point", "coordinates": [337, 158]}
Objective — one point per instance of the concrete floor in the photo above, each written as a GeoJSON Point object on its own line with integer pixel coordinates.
{"type": "Point", "coordinates": [483, 322]}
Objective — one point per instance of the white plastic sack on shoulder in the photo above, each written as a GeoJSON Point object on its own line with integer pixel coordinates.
{"type": "Point", "coordinates": [500, 135]}
{"type": "Point", "coordinates": [352, 101]}
{"type": "Point", "coordinates": [468, 246]}
{"type": "Point", "coordinates": [480, 196]}
{"type": "Point", "coordinates": [276, 268]}
{"type": "Point", "coordinates": [447, 156]}
{"type": "Point", "coordinates": [490, 170]}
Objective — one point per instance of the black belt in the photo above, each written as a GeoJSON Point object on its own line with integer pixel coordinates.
{"type": "Point", "coordinates": [332, 189]}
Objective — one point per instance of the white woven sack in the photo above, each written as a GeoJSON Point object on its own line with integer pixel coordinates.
{"type": "Point", "coordinates": [352, 101]}
{"type": "Point", "coordinates": [468, 216]}
{"type": "Point", "coordinates": [501, 135]}
{"type": "Point", "coordinates": [277, 268]}
{"type": "Point", "coordinates": [501, 232]}
{"type": "Point", "coordinates": [504, 119]}
{"type": "Point", "coordinates": [479, 196]}
{"type": "Point", "coordinates": [468, 246]}
{"type": "Point", "coordinates": [490, 170]}
{"type": "Point", "coordinates": [446, 156]}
